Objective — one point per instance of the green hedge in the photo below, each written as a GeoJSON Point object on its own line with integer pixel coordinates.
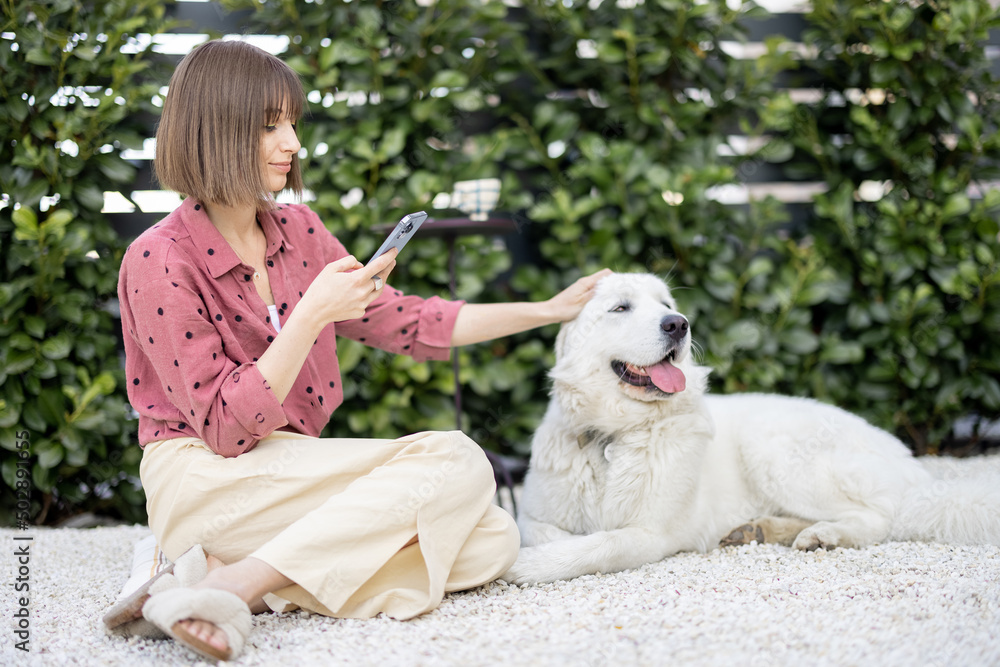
{"type": "Point", "coordinates": [605, 125]}
{"type": "Point", "coordinates": [68, 95]}
{"type": "Point", "coordinates": [910, 336]}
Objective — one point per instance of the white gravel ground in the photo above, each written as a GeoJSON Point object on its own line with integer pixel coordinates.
{"type": "Point", "coordinates": [890, 604]}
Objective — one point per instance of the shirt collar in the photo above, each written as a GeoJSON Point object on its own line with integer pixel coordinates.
{"type": "Point", "coordinates": [219, 256]}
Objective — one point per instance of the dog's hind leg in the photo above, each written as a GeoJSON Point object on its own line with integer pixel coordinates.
{"type": "Point", "coordinates": [769, 529]}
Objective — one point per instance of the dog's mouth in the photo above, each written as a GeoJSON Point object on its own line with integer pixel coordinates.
{"type": "Point", "coordinates": [663, 376]}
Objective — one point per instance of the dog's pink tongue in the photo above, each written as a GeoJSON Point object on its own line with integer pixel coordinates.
{"type": "Point", "coordinates": [667, 377]}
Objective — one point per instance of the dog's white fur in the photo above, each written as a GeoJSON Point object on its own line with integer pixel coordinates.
{"type": "Point", "coordinates": [622, 475]}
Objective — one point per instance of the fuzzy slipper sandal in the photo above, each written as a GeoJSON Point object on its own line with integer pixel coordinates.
{"type": "Point", "coordinates": [222, 609]}
{"type": "Point", "coordinates": [125, 619]}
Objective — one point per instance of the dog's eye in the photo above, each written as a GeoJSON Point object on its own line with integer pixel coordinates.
{"type": "Point", "coordinates": [621, 308]}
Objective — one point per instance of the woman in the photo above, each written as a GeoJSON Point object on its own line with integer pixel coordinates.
{"type": "Point", "coordinates": [230, 308]}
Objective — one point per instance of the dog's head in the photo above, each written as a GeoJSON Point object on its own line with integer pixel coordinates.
{"type": "Point", "coordinates": [629, 340]}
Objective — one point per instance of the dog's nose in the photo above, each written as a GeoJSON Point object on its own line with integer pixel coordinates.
{"type": "Point", "coordinates": [675, 326]}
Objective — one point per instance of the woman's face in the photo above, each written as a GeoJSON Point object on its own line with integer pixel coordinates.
{"type": "Point", "coordinates": [278, 144]}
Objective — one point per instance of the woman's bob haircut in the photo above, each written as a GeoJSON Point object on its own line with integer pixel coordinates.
{"type": "Point", "coordinates": [208, 143]}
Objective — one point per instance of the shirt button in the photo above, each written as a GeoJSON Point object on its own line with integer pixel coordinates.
{"type": "Point", "coordinates": [439, 317]}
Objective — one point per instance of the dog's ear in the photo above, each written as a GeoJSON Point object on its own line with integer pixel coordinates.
{"type": "Point", "coordinates": [562, 339]}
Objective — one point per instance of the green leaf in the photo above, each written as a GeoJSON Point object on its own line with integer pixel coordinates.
{"type": "Point", "coordinates": [89, 196]}
{"type": "Point", "coordinates": [57, 347]}
{"type": "Point", "coordinates": [840, 352]}
{"type": "Point", "coordinates": [115, 168]}
{"type": "Point", "coordinates": [40, 56]}
{"type": "Point", "coordinates": [956, 205]}
{"type": "Point", "coordinates": [48, 454]}
{"type": "Point", "coordinates": [799, 341]}
{"type": "Point", "coordinates": [55, 224]}
{"type": "Point", "coordinates": [449, 79]}
{"type": "Point", "coordinates": [25, 224]}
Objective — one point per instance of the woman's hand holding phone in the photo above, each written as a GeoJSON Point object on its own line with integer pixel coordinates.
{"type": "Point", "coordinates": [344, 288]}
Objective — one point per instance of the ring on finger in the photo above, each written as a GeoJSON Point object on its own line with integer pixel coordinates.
{"type": "Point", "coordinates": [378, 282]}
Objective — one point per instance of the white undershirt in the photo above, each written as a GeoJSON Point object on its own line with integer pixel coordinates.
{"type": "Point", "coordinates": [274, 318]}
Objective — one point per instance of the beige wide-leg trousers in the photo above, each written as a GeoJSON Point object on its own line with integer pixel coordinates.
{"type": "Point", "coordinates": [336, 515]}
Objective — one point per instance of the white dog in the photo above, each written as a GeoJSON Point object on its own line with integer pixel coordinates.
{"type": "Point", "coordinates": [633, 462]}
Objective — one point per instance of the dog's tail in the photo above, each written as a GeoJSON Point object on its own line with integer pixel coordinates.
{"type": "Point", "coordinates": [961, 505]}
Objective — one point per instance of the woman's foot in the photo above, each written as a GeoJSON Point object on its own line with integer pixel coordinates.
{"type": "Point", "coordinates": [249, 579]}
{"type": "Point", "coordinates": [206, 632]}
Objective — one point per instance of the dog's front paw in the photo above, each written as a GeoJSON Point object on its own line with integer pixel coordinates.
{"type": "Point", "coordinates": [822, 535]}
{"type": "Point", "coordinates": [529, 568]}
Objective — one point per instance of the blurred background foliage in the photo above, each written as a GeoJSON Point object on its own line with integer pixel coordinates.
{"type": "Point", "coordinates": [612, 130]}
{"type": "Point", "coordinates": [68, 99]}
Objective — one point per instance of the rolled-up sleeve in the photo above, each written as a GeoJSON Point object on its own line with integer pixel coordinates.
{"type": "Point", "coordinates": [257, 410]}
{"type": "Point", "coordinates": [410, 325]}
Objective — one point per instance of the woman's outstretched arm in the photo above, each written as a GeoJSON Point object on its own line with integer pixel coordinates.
{"type": "Point", "coordinates": [478, 322]}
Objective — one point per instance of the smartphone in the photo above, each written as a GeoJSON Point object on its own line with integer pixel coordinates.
{"type": "Point", "coordinates": [404, 231]}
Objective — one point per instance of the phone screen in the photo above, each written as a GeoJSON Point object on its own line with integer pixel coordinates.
{"type": "Point", "coordinates": [403, 232]}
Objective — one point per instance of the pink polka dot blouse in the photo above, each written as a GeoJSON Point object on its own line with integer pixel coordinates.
{"type": "Point", "coordinates": [194, 327]}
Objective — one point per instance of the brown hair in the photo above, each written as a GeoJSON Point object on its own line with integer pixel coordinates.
{"type": "Point", "coordinates": [208, 142]}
